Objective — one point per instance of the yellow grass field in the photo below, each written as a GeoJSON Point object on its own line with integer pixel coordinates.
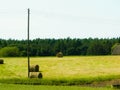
{"type": "Point", "coordinates": [69, 67]}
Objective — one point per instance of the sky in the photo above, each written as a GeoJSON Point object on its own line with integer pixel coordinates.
{"type": "Point", "coordinates": [60, 19]}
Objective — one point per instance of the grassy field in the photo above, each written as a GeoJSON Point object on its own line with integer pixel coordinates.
{"type": "Point", "coordinates": [73, 69]}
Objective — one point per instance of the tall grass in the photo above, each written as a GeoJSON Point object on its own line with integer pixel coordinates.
{"type": "Point", "coordinates": [31, 87]}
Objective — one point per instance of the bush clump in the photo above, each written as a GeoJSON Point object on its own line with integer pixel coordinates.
{"type": "Point", "coordinates": [115, 49]}
{"type": "Point", "coordinates": [9, 52]}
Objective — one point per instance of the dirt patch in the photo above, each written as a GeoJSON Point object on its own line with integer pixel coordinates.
{"type": "Point", "coordinates": [105, 83]}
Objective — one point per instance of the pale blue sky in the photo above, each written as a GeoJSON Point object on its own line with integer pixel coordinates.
{"type": "Point", "coordinates": [60, 18]}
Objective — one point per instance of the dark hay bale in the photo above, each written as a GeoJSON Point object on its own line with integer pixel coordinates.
{"type": "Point", "coordinates": [34, 68]}
{"type": "Point", "coordinates": [40, 75]}
{"type": "Point", "coordinates": [36, 75]}
{"type": "Point", "coordinates": [116, 86]}
{"type": "Point", "coordinates": [59, 54]}
{"type": "Point", "coordinates": [1, 61]}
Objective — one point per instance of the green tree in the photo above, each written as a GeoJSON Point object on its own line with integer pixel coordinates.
{"type": "Point", "coordinates": [96, 48]}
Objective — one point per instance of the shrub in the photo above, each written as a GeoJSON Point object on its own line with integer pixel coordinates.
{"type": "Point", "coordinates": [9, 52]}
{"type": "Point", "coordinates": [115, 50]}
{"type": "Point", "coordinates": [59, 54]}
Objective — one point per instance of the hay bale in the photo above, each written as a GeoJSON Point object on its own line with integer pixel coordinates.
{"type": "Point", "coordinates": [34, 68]}
{"type": "Point", "coordinates": [59, 54]}
{"type": "Point", "coordinates": [1, 61]}
{"type": "Point", "coordinates": [36, 75]}
{"type": "Point", "coordinates": [117, 86]}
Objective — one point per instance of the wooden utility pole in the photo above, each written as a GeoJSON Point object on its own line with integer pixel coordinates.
{"type": "Point", "coordinates": [28, 43]}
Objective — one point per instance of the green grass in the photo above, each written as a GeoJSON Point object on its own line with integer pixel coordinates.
{"type": "Point", "coordinates": [31, 87]}
{"type": "Point", "coordinates": [72, 70]}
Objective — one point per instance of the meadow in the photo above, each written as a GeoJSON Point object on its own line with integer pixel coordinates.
{"type": "Point", "coordinates": [69, 70]}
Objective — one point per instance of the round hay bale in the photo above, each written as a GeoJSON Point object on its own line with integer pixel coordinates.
{"type": "Point", "coordinates": [59, 54]}
{"type": "Point", "coordinates": [34, 68]}
{"type": "Point", "coordinates": [1, 61]}
{"type": "Point", "coordinates": [117, 86]}
{"type": "Point", "coordinates": [36, 75]}
{"type": "Point", "coordinates": [40, 75]}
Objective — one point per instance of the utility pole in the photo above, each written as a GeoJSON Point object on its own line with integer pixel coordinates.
{"type": "Point", "coordinates": [28, 43]}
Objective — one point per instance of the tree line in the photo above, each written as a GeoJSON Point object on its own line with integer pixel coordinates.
{"type": "Point", "coordinates": [50, 47]}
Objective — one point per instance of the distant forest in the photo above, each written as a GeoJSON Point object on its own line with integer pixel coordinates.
{"type": "Point", "coordinates": [50, 47]}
